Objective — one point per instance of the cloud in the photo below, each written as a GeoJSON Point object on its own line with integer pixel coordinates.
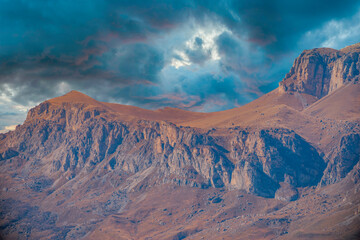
{"type": "Point", "coordinates": [197, 53]}
{"type": "Point", "coordinates": [8, 128]}
{"type": "Point", "coordinates": [335, 33]}
{"type": "Point", "coordinates": [278, 25]}
{"type": "Point", "coordinates": [10, 113]}
{"type": "Point", "coordinates": [239, 56]}
{"type": "Point", "coordinates": [249, 63]}
{"type": "Point", "coordinates": [198, 46]}
{"type": "Point", "coordinates": [138, 62]}
{"type": "Point", "coordinates": [209, 86]}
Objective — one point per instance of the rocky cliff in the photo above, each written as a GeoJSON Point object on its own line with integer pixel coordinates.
{"type": "Point", "coordinates": [321, 71]}
{"type": "Point", "coordinates": [73, 138]}
{"type": "Point", "coordinates": [342, 159]}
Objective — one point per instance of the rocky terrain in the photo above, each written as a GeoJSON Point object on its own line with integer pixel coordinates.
{"type": "Point", "coordinates": [285, 166]}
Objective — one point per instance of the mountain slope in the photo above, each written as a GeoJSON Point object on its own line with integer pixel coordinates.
{"type": "Point", "coordinates": [344, 102]}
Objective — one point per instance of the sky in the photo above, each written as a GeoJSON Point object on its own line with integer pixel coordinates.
{"type": "Point", "coordinates": [195, 55]}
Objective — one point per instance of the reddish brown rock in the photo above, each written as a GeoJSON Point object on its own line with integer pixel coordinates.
{"type": "Point", "coordinates": [321, 71]}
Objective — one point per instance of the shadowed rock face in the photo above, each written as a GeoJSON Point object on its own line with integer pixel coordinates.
{"type": "Point", "coordinates": [321, 71]}
{"type": "Point", "coordinates": [342, 159]}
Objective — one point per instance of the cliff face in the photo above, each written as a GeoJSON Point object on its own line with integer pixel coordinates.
{"type": "Point", "coordinates": [342, 159]}
{"type": "Point", "coordinates": [321, 71]}
{"type": "Point", "coordinates": [71, 140]}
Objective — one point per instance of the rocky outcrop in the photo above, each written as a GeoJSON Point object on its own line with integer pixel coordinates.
{"type": "Point", "coordinates": [8, 153]}
{"type": "Point", "coordinates": [269, 157]}
{"type": "Point", "coordinates": [320, 71]}
{"type": "Point", "coordinates": [286, 193]}
{"type": "Point", "coordinates": [342, 159]}
{"type": "Point", "coordinates": [67, 141]}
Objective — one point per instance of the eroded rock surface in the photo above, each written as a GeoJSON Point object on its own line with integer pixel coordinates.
{"type": "Point", "coordinates": [321, 71]}
{"type": "Point", "coordinates": [67, 141]}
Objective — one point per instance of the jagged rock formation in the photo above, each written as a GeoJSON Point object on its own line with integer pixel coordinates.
{"type": "Point", "coordinates": [69, 139]}
{"type": "Point", "coordinates": [321, 71]}
{"type": "Point", "coordinates": [80, 168]}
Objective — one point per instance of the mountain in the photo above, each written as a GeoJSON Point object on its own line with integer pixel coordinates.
{"type": "Point", "coordinates": [285, 166]}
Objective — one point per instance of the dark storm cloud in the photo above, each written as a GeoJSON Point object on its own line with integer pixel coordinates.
{"type": "Point", "coordinates": [44, 44]}
{"type": "Point", "coordinates": [200, 93]}
{"type": "Point", "coordinates": [139, 62]}
{"type": "Point", "coordinates": [235, 57]}
{"type": "Point", "coordinates": [161, 14]}
{"type": "Point", "coordinates": [207, 86]}
{"type": "Point", "coordinates": [248, 61]}
{"type": "Point", "coordinates": [277, 25]}
{"type": "Point", "coordinates": [109, 48]}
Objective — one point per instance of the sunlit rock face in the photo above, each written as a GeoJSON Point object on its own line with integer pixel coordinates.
{"type": "Point", "coordinates": [321, 71]}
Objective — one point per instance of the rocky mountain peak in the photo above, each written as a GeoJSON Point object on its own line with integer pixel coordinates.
{"type": "Point", "coordinates": [320, 71]}
{"type": "Point", "coordinates": [69, 110]}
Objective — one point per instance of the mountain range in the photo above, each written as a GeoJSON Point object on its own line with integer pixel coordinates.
{"type": "Point", "coordinates": [285, 166]}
